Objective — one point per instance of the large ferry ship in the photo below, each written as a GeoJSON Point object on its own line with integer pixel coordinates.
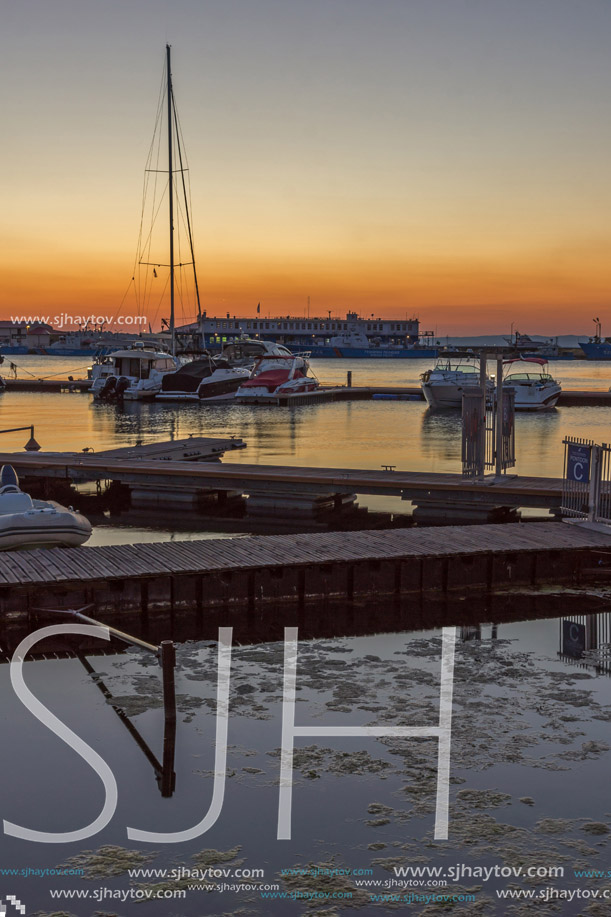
{"type": "Point", "coordinates": [351, 336]}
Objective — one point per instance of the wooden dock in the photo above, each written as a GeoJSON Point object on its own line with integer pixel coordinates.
{"type": "Point", "coordinates": [293, 568]}
{"type": "Point", "coordinates": [327, 393]}
{"type": "Point", "coordinates": [512, 491]}
{"type": "Point", "coordinates": [48, 385]}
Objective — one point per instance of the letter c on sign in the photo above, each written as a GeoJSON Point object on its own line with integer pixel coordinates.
{"type": "Point", "coordinates": [578, 471]}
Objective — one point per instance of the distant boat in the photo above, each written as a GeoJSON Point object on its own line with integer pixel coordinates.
{"type": "Point", "coordinates": [357, 345]}
{"type": "Point", "coordinates": [548, 348]}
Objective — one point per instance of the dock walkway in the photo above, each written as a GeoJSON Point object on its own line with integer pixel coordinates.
{"type": "Point", "coordinates": [295, 567]}
{"type": "Point", "coordinates": [568, 397]}
{"type": "Point", "coordinates": [513, 491]}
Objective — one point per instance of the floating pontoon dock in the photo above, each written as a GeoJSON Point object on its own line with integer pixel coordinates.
{"type": "Point", "coordinates": [292, 568]}
{"type": "Point", "coordinates": [568, 398]}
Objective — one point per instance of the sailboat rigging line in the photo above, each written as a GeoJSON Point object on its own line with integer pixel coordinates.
{"type": "Point", "coordinates": [144, 245]}
{"type": "Point", "coordinates": [143, 288]}
{"type": "Point", "coordinates": [184, 191]}
{"type": "Point", "coordinates": [160, 301]}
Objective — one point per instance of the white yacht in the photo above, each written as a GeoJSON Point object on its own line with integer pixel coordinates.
{"type": "Point", "coordinates": [133, 373]}
{"type": "Point", "coordinates": [28, 523]}
{"type": "Point", "coordinates": [249, 351]}
{"type": "Point", "coordinates": [443, 385]}
{"type": "Point", "coordinates": [534, 388]}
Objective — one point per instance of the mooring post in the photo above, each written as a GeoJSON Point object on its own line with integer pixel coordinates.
{"type": "Point", "coordinates": [498, 419]}
{"type": "Point", "coordinates": [481, 451]}
{"type": "Point", "coordinates": [349, 379]}
{"type": "Point", "coordinates": [167, 658]}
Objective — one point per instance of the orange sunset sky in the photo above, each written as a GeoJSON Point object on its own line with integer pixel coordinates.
{"type": "Point", "coordinates": [447, 159]}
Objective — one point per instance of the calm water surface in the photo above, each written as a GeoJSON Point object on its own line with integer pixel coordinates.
{"type": "Point", "coordinates": [350, 434]}
{"type": "Point", "coordinates": [362, 434]}
{"type": "Point", "coordinates": [529, 770]}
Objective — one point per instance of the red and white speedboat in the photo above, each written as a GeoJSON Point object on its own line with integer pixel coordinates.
{"type": "Point", "coordinates": [277, 376]}
{"type": "Point", "coordinates": [534, 388]}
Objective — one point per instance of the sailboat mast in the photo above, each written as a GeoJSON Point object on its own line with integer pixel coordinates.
{"type": "Point", "coordinates": [171, 198]}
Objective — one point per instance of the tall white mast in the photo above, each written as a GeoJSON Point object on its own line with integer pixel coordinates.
{"type": "Point", "coordinates": [171, 197]}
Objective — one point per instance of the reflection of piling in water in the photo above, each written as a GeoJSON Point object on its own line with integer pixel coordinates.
{"type": "Point", "coordinates": [166, 654]}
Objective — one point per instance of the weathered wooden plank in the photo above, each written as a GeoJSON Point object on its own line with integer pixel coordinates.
{"type": "Point", "coordinates": [145, 560]}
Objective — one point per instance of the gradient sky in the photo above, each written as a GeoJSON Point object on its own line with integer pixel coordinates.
{"type": "Point", "coordinates": [442, 158]}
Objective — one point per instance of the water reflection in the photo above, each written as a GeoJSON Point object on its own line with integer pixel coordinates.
{"type": "Point", "coordinates": [440, 435]}
{"type": "Point", "coordinates": [586, 640]}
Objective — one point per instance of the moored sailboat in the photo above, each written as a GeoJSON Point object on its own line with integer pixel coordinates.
{"type": "Point", "coordinates": [136, 371]}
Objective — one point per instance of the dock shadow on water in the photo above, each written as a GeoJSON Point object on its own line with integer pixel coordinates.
{"type": "Point", "coordinates": [529, 763]}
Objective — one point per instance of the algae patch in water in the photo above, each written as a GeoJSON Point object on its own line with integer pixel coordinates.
{"type": "Point", "coordinates": [107, 861]}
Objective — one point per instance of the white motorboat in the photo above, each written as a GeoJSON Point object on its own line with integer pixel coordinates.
{"type": "Point", "coordinates": [249, 351]}
{"type": "Point", "coordinates": [277, 376]}
{"type": "Point", "coordinates": [534, 389]}
{"type": "Point", "coordinates": [131, 374]}
{"type": "Point", "coordinates": [443, 385]}
{"type": "Point", "coordinates": [207, 379]}
{"type": "Point", "coordinates": [28, 523]}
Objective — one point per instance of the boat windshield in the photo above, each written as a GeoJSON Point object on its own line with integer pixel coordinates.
{"type": "Point", "coordinates": [455, 367]}
{"type": "Point", "coordinates": [528, 377]}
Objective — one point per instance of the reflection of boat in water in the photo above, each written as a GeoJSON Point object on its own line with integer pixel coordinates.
{"type": "Point", "coordinates": [131, 374]}
{"type": "Point", "coordinates": [207, 379]}
{"type": "Point", "coordinates": [527, 347]}
{"type": "Point", "coordinates": [28, 523]}
{"type": "Point", "coordinates": [443, 385]}
{"type": "Point", "coordinates": [534, 389]}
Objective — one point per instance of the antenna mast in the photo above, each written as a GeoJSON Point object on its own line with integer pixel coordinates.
{"type": "Point", "coordinates": [171, 197]}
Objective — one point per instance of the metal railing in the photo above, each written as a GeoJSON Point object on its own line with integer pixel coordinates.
{"type": "Point", "coordinates": [586, 484]}
{"type": "Point", "coordinates": [488, 431]}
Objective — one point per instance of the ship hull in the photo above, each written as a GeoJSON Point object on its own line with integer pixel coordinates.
{"type": "Point", "coordinates": [596, 350]}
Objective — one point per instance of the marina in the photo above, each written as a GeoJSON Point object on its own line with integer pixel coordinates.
{"type": "Point", "coordinates": [305, 592]}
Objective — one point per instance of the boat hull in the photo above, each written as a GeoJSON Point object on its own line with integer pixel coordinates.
{"type": "Point", "coordinates": [52, 527]}
{"type": "Point", "coordinates": [535, 398]}
{"type": "Point", "coordinates": [593, 350]}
